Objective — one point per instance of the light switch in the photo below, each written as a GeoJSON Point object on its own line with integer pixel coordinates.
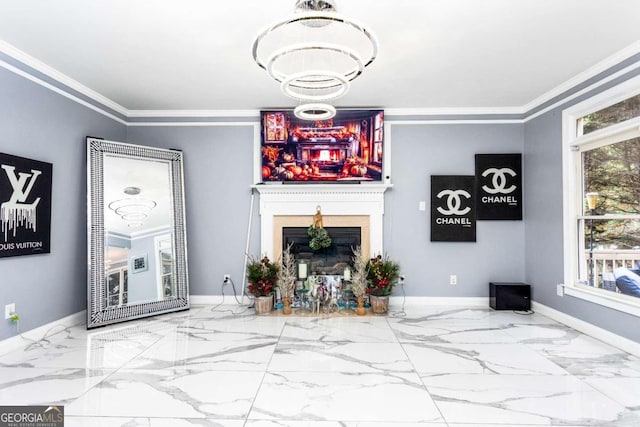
{"type": "Point", "coordinates": [422, 206]}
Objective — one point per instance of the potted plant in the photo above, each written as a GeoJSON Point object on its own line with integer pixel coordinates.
{"type": "Point", "coordinates": [262, 276]}
{"type": "Point", "coordinates": [382, 276]}
{"type": "Point", "coordinates": [287, 279]}
{"type": "Point", "coordinates": [359, 279]}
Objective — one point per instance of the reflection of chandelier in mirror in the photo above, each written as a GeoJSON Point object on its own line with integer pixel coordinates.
{"type": "Point", "coordinates": [315, 54]}
{"type": "Point", "coordinates": [132, 210]}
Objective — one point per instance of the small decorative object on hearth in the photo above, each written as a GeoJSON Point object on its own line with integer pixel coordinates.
{"type": "Point", "coordinates": [359, 279]}
{"type": "Point", "coordinates": [382, 276]}
{"type": "Point", "coordinates": [262, 277]}
{"type": "Point", "coordinates": [318, 237]}
{"type": "Point", "coordinates": [287, 279]}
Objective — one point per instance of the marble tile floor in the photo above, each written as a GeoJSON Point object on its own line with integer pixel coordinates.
{"type": "Point", "coordinates": [223, 366]}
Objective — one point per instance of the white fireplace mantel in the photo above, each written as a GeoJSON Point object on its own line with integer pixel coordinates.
{"type": "Point", "coordinates": [333, 199]}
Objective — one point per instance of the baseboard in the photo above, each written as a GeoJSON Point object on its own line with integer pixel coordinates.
{"type": "Point", "coordinates": [36, 334]}
{"type": "Point", "coordinates": [393, 300]}
{"type": "Point", "coordinates": [603, 335]}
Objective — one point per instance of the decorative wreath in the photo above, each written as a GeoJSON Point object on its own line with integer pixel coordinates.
{"type": "Point", "coordinates": [318, 238]}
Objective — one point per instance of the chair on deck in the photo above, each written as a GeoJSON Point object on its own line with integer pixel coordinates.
{"type": "Point", "coordinates": [628, 281]}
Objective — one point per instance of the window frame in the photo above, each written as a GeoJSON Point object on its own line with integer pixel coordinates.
{"type": "Point", "coordinates": [573, 145]}
{"type": "Point", "coordinates": [160, 246]}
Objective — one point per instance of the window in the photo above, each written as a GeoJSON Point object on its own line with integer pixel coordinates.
{"type": "Point", "coordinates": [378, 131]}
{"type": "Point", "coordinates": [117, 284]}
{"type": "Point", "coordinates": [602, 197]}
{"type": "Point", "coordinates": [619, 112]}
{"type": "Point", "coordinates": [164, 257]}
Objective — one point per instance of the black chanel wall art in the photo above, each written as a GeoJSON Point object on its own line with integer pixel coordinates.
{"type": "Point", "coordinates": [499, 186]}
{"type": "Point", "coordinates": [453, 213]}
{"type": "Point", "coordinates": [25, 206]}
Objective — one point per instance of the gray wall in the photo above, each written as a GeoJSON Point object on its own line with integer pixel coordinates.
{"type": "Point", "coordinates": [218, 169]}
{"type": "Point", "coordinates": [418, 152]}
{"type": "Point", "coordinates": [218, 174]}
{"type": "Point", "coordinates": [40, 124]}
{"type": "Point", "coordinates": [543, 206]}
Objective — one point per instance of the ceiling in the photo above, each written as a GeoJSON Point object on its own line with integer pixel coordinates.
{"type": "Point", "coordinates": [196, 54]}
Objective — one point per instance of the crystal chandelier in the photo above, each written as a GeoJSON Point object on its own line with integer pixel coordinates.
{"type": "Point", "coordinates": [133, 210]}
{"type": "Point", "coordinates": [314, 54]}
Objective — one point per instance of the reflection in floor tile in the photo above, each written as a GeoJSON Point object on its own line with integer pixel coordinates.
{"type": "Point", "coordinates": [74, 421]}
{"type": "Point", "coordinates": [312, 356]}
{"type": "Point", "coordinates": [46, 386]}
{"type": "Point", "coordinates": [170, 393]}
{"type": "Point", "coordinates": [328, 329]}
{"type": "Point", "coordinates": [399, 397]}
{"type": "Point", "coordinates": [521, 399]}
{"type": "Point", "coordinates": [479, 359]}
{"type": "Point", "coordinates": [251, 355]}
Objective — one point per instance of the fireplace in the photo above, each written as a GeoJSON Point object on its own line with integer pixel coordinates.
{"type": "Point", "coordinates": [327, 261]}
{"type": "Point", "coordinates": [343, 205]}
{"type": "Point", "coordinates": [332, 223]}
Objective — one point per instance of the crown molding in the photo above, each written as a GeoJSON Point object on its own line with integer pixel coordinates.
{"type": "Point", "coordinates": [193, 113]}
{"type": "Point", "coordinates": [578, 93]}
{"type": "Point", "coordinates": [454, 111]}
{"type": "Point", "coordinates": [454, 121]}
{"type": "Point", "coordinates": [56, 75]}
{"type": "Point", "coordinates": [59, 91]}
{"type": "Point", "coordinates": [584, 76]}
{"type": "Point", "coordinates": [508, 114]}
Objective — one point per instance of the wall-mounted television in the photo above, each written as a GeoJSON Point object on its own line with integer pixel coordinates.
{"type": "Point", "coordinates": [346, 148]}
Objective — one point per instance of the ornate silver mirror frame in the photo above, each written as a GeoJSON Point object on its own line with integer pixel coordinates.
{"type": "Point", "coordinates": [136, 232]}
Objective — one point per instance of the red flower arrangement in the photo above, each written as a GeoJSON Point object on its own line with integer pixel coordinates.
{"type": "Point", "coordinates": [382, 275]}
{"type": "Point", "coordinates": [262, 277]}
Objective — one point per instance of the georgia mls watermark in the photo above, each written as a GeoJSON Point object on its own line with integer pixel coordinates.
{"type": "Point", "coordinates": [31, 416]}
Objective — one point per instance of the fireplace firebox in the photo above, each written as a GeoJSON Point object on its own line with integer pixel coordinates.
{"type": "Point", "coordinates": [328, 261]}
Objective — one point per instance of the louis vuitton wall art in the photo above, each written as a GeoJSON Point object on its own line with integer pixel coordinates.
{"type": "Point", "coordinates": [25, 206]}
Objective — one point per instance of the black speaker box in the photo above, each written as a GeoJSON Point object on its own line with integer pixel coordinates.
{"type": "Point", "coordinates": [510, 296]}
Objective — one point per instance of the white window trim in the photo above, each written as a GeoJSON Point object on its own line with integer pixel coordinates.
{"type": "Point", "coordinates": [157, 244]}
{"type": "Point", "coordinates": [572, 146]}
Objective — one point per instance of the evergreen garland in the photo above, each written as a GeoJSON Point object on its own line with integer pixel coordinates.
{"type": "Point", "coordinates": [318, 238]}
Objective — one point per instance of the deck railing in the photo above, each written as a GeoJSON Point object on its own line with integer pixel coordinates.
{"type": "Point", "coordinates": [606, 261]}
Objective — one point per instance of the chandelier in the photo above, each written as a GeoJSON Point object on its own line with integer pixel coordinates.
{"type": "Point", "coordinates": [133, 210]}
{"type": "Point", "coordinates": [314, 54]}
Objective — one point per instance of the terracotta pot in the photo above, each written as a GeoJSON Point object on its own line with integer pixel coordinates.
{"type": "Point", "coordinates": [360, 311]}
{"type": "Point", "coordinates": [286, 309]}
{"type": "Point", "coordinates": [379, 305]}
{"type": "Point", "coordinates": [263, 305]}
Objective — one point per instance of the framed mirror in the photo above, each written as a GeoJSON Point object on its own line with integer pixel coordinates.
{"type": "Point", "coordinates": [136, 232]}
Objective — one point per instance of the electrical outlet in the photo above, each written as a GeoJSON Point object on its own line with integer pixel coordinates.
{"type": "Point", "coordinates": [453, 279]}
{"type": "Point", "coordinates": [9, 309]}
{"type": "Point", "coordinates": [422, 205]}
{"type": "Point", "coordinates": [226, 278]}
{"type": "Point", "coordinates": [560, 290]}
